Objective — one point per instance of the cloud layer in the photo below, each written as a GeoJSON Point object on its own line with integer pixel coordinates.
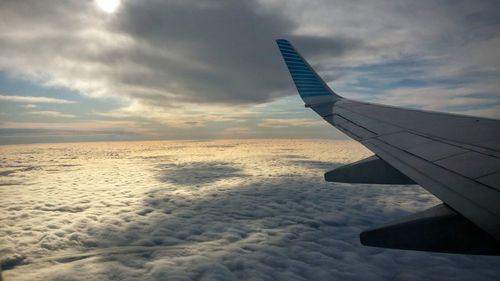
{"type": "Point", "coordinates": [217, 210]}
{"type": "Point", "coordinates": [176, 53]}
{"type": "Point", "coordinates": [153, 51]}
{"type": "Point", "coordinates": [191, 70]}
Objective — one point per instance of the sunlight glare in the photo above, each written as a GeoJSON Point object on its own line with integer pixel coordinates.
{"type": "Point", "coordinates": [108, 6]}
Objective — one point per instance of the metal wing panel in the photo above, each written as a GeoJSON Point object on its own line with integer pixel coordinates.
{"type": "Point", "coordinates": [476, 202]}
{"type": "Point", "coordinates": [450, 180]}
{"type": "Point", "coordinates": [423, 147]}
{"type": "Point", "coordinates": [471, 164]}
{"type": "Point", "coordinates": [464, 129]}
{"type": "Point", "coordinates": [448, 170]}
{"type": "Point", "coordinates": [374, 125]}
{"type": "Point", "coordinates": [453, 155]}
{"type": "Point", "coordinates": [457, 158]}
{"type": "Point", "coordinates": [491, 180]}
{"type": "Point", "coordinates": [433, 151]}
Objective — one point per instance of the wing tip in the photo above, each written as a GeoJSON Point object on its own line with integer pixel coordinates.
{"type": "Point", "coordinates": [284, 43]}
{"type": "Point", "coordinates": [309, 84]}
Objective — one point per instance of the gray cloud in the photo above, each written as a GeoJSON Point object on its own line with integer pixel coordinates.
{"type": "Point", "coordinates": [157, 51]}
{"type": "Point", "coordinates": [224, 50]}
{"type": "Point", "coordinates": [185, 52]}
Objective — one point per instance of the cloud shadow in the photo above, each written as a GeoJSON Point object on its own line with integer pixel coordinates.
{"type": "Point", "coordinates": [197, 173]}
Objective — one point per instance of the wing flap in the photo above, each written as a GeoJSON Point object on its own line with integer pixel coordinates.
{"type": "Point", "coordinates": [438, 229]}
{"type": "Point", "coordinates": [371, 170]}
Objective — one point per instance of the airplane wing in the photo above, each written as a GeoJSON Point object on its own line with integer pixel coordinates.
{"type": "Point", "coordinates": [455, 157]}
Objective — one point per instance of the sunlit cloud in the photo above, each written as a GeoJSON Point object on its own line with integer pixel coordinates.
{"type": "Point", "coordinates": [180, 115]}
{"type": "Point", "coordinates": [211, 210]}
{"type": "Point", "coordinates": [290, 122]}
{"type": "Point", "coordinates": [108, 6]}
{"type": "Point", "coordinates": [32, 99]}
{"type": "Point", "coordinates": [236, 132]}
{"type": "Point", "coordinates": [89, 125]}
{"type": "Point", "coordinates": [51, 114]}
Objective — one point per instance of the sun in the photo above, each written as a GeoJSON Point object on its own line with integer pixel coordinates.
{"type": "Point", "coordinates": [108, 6]}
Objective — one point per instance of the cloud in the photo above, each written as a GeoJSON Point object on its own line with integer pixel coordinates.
{"type": "Point", "coordinates": [90, 125]}
{"type": "Point", "coordinates": [30, 100]}
{"type": "Point", "coordinates": [156, 52]}
{"type": "Point", "coordinates": [206, 210]}
{"type": "Point", "coordinates": [445, 44]}
{"type": "Point", "coordinates": [185, 64]}
{"type": "Point", "coordinates": [290, 122]}
{"type": "Point", "coordinates": [182, 115]}
{"type": "Point", "coordinates": [489, 112]}
{"type": "Point", "coordinates": [458, 98]}
{"type": "Point", "coordinates": [237, 130]}
{"type": "Point", "coordinates": [75, 131]}
{"type": "Point", "coordinates": [51, 114]}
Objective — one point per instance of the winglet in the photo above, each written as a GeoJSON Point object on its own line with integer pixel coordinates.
{"type": "Point", "coordinates": [310, 86]}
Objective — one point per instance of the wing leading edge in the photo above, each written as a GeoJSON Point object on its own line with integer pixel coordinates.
{"type": "Point", "coordinates": [455, 157]}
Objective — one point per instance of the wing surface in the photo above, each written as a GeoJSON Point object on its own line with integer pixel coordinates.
{"type": "Point", "coordinates": [455, 157]}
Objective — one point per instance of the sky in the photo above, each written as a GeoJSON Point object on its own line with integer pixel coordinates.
{"type": "Point", "coordinates": [181, 69]}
